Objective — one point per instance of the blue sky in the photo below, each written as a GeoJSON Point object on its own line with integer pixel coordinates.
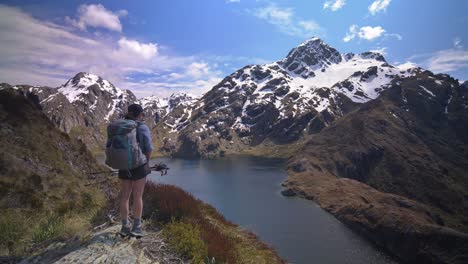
{"type": "Point", "coordinates": [161, 47]}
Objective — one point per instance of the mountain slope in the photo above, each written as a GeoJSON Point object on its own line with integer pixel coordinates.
{"type": "Point", "coordinates": [45, 192]}
{"type": "Point", "coordinates": [82, 106]}
{"type": "Point", "coordinates": [409, 142]}
{"type": "Point", "coordinates": [280, 103]}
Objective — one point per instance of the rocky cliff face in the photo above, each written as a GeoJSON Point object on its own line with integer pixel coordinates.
{"type": "Point", "coordinates": [158, 109]}
{"type": "Point", "coordinates": [409, 142]}
{"type": "Point", "coordinates": [282, 102]}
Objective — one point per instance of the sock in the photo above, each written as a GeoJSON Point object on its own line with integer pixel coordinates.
{"type": "Point", "coordinates": [136, 222]}
{"type": "Point", "coordinates": [125, 222]}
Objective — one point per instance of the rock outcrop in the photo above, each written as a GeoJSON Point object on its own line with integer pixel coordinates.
{"type": "Point", "coordinates": [106, 246]}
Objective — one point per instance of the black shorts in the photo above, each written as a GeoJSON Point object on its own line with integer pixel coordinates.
{"type": "Point", "coordinates": [135, 174]}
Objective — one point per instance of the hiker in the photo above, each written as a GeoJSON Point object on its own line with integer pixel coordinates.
{"type": "Point", "coordinates": [132, 160]}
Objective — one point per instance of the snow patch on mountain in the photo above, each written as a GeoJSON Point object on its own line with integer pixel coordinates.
{"type": "Point", "coordinates": [74, 89]}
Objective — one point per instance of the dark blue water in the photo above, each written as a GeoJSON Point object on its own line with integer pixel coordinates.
{"type": "Point", "coordinates": [246, 190]}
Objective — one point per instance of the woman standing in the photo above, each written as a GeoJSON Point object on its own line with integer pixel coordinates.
{"type": "Point", "coordinates": [133, 181]}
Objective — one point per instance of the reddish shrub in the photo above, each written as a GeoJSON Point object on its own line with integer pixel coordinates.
{"type": "Point", "coordinates": [165, 202]}
{"type": "Point", "coordinates": [219, 246]}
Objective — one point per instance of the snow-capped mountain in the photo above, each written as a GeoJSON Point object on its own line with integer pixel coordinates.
{"type": "Point", "coordinates": [284, 100]}
{"type": "Point", "coordinates": [275, 104]}
{"type": "Point", "coordinates": [158, 108]}
{"type": "Point", "coordinates": [96, 97]}
{"type": "Point", "coordinates": [86, 103]}
{"type": "Point", "coordinates": [82, 106]}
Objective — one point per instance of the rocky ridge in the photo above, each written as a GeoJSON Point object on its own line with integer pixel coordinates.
{"type": "Point", "coordinates": [280, 103]}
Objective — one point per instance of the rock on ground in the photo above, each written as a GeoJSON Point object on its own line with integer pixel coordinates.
{"type": "Point", "coordinates": [106, 246]}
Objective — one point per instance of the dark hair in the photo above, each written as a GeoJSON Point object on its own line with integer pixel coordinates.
{"type": "Point", "coordinates": [134, 110]}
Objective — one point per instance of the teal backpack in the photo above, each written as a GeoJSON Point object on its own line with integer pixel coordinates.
{"type": "Point", "coordinates": [122, 149]}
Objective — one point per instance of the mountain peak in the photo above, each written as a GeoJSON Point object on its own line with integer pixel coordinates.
{"type": "Point", "coordinates": [82, 82]}
{"type": "Point", "coordinates": [314, 53]}
{"type": "Point", "coordinates": [182, 95]}
{"type": "Point", "coordinates": [373, 55]}
{"type": "Point", "coordinates": [464, 84]}
{"type": "Point", "coordinates": [311, 41]}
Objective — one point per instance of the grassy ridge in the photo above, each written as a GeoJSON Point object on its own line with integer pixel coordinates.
{"type": "Point", "coordinates": [45, 193]}
{"type": "Point", "coordinates": [198, 232]}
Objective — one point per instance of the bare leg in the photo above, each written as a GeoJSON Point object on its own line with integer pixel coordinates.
{"type": "Point", "coordinates": [125, 192]}
{"type": "Point", "coordinates": [137, 191]}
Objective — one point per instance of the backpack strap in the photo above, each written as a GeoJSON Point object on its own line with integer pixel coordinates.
{"type": "Point", "coordinates": [138, 132]}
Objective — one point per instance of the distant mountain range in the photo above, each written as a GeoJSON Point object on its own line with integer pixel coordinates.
{"type": "Point", "coordinates": [282, 102]}
{"type": "Point", "coordinates": [256, 107]}
{"type": "Point", "coordinates": [86, 103]}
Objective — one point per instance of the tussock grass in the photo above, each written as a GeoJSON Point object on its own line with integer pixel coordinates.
{"type": "Point", "coordinates": [24, 231]}
{"type": "Point", "coordinates": [198, 232]}
{"type": "Point", "coordinates": [186, 240]}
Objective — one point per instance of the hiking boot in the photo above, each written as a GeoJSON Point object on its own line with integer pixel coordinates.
{"type": "Point", "coordinates": [125, 231]}
{"type": "Point", "coordinates": [137, 231]}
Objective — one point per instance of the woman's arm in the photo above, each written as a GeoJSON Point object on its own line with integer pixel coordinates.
{"type": "Point", "coordinates": [145, 141]}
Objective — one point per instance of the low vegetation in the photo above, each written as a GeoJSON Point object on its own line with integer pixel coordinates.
{"type": "Point", "coordinates": [45, 194]}
{"type": "Point", "coordinates": [198, 232]}
{"type": "Point", "coordinates": [25, 231]}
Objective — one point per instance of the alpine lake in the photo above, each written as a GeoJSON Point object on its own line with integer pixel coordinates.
{"type": "Point", "coordinates": [247, 191]}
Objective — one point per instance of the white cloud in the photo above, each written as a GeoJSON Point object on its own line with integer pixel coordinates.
{"type": "Point", "coordinates": [133, 47]}
{"type": "Point", "coordinates": [407, 65]}
{"type": "Point", "coordinates": [444, 61]}
{"type": "Point", "coordinates": [371, 33]}
{"type": "Point", "coordinates": [382, 51]}
{"type": "Point", "coordinates": [353, 30]}
{"type": "Point", "coordinates": [275, 15]}
{"type": "Point", "coordinates": [97, 16]}
{"type": "Point", "coordinates": [334, 5]}
{"type": "Point", "coordinates": [395, 35]}
{"type": "Point", "coordinates": [367, 33]}
{"type": "Point", "coordinates": [166, 88]}
{"type": "Point", "coordinates": [198, 69]}
{"type": "Point", "coordinates": [232, 1]}
{"type": "Point", "coordinates": [43, 53]}
{"type": "Point", "coordinates": [195, 70]}
{"type": "Point", "coordinates": [309, 25]}
{"type": "Point", "coordinates": [457, 43]}
{"type": "Point", "coordinates": [378, 6]}
{"type": "Point", "coordinates": [448, 60]}
{"type": "Point", "coordinates": [287, 22]}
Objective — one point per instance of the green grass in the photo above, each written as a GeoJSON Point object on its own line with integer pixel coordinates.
{"type": "Point", "coordinates": [13, 226]}
{"type": "Point", "coordinates": [45, 194]}
{"type": "Point", "coordinates": [186, 239]}
{"type": "Point", "coordinates": [22, 231]}
{"type": "Point", "coordinates": [51, 227]}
